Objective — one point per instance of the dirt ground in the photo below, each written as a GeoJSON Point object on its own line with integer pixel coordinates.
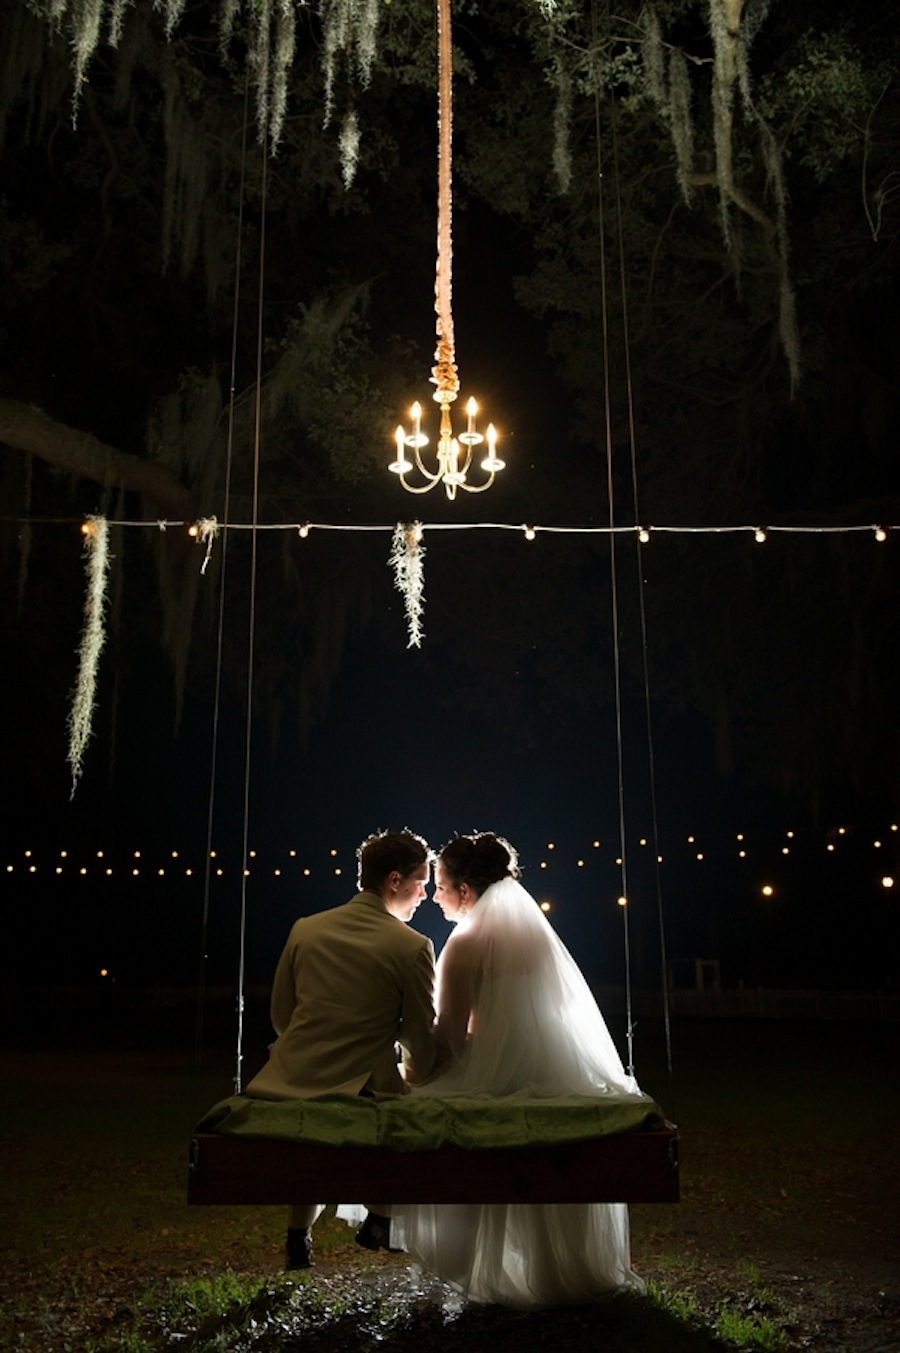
{"type": "Point", "coordinates": [789, 1217]}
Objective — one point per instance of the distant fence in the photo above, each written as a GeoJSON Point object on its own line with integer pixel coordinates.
{"type": "Point", "coordinates": [19, 1003]}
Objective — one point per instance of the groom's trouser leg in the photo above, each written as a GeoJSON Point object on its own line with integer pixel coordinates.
{"type": "Point", "coordinates": [302, 1215]}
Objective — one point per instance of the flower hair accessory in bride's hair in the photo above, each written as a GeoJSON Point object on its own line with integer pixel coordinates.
{"type": "Point", "coordinates": [479, 860]}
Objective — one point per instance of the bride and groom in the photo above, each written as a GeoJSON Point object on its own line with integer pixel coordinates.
{"type": "Point", "coordinates": [507, 1011]}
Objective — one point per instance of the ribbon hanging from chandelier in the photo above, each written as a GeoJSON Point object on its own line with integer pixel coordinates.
{"type": "Point", "coordinates": [453, 453]}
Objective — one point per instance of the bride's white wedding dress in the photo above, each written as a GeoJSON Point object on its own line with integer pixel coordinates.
{"type": "Point", "coordinates": [534, 1030]}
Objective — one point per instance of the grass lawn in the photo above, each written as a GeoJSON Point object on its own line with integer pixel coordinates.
{"type": "Point", "coordinates": [786, 1237]}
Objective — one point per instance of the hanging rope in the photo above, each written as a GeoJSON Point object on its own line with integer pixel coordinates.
{"type": "Point", "coordinates": [642, 614]}
{"type": "Point", "coordinates": [220, 624]}
{"type": "Point", "coordinates": [251, 635]}
{"type": "Point", "coordinates": [613, 569]}
{"type": "Point", "coordinates": [444, 372]}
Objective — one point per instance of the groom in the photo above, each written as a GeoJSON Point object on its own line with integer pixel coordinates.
{"type": "Point", "coordinates": [352, 983]}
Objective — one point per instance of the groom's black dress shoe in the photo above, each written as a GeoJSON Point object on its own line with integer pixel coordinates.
{"type": "Point", "coordinates": [375, 1234]}
{"type": "Point", "coordinates": [298, 1248]}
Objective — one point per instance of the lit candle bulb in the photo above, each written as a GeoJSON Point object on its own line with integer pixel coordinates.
{"type": "Point", "coordinates": [490, 462]}
{"type": "Point", "coordinates": [416, 414]}
{"type": "Point", "coordinates": [471, 410]}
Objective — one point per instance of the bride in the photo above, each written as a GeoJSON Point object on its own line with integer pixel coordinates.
{"type": "Point", "coordinates": [515, 1017]}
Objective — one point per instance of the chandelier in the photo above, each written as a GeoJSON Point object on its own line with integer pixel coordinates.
{"type": "Point", "coordinates": [454, 453]}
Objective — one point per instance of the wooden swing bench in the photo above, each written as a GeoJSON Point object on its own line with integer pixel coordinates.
{"type": "Point", "coordinates": [342, 1148]}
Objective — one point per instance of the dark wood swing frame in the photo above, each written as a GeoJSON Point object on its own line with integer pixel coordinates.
{"type": "Point", "coordinates": [626, 1167]}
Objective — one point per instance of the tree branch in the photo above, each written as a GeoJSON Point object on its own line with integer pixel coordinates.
{"type": "Point", "coordinates": [27, 428]}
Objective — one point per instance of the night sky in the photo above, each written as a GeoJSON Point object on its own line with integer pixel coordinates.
{"type": "Point", "coordinates": [504, 719]}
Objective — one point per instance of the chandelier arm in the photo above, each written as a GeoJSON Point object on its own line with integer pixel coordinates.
{"type": "Point", "coordinates": [479, 488]}
{"type": "Point", "coordinates": [434, 477]}
{"type": "Point", "coordinates": [421, 488]}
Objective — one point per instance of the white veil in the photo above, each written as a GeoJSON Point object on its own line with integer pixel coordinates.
{"type": "Point", "coordinates": [537, 1028]}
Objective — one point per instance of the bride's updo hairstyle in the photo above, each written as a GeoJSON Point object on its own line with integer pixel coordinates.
{"type": "Point", "coordinates": [479, 860]}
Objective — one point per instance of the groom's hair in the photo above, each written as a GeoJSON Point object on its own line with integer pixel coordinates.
{"type": "Point", "coordinates": [384, 852]}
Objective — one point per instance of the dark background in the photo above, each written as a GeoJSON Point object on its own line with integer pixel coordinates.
{"type": "Point", "coordinates": [771, 671]}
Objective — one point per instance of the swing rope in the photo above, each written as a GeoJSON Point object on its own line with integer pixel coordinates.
{"type": "Point", "coordinates": [220, 622]}
{"type": "Point", "coordinates": [642, 616]}
{"type": "Point", "coordinates": [614, 575]}
{"type": "Point", "coordinates": [613, 567]}
{"type": "Point", "coordinates": [251, 619]}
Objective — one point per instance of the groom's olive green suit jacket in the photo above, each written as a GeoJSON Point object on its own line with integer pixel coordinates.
{"type": "Point", "coordinates": [351, 983]}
